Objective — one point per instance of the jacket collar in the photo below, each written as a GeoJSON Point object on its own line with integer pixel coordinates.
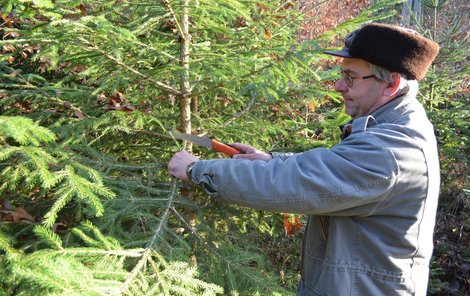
{"type": "Point", "coordinates": [393, 109]}
{"type": "Point", "coordinates": [386, 114]}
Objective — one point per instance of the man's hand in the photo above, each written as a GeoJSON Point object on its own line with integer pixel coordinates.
{"type": "Point", "coordinates": [249, 152]}
{"type": "Point", "coordinates": [178, 164]}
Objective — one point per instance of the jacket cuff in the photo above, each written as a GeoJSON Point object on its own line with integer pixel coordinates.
{"type": "Point", "coordinates": [197, 173]}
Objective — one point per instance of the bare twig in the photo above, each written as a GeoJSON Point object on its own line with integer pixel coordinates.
{"type": "Point", "coordinates": [239, 114]}
{"type": "Point", "coordinates": [175, 19]}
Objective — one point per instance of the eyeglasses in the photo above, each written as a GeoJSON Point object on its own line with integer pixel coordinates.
{"type": "Point", "coordinates": [350, 80]}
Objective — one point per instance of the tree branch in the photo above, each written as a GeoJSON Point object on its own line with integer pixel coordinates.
{"type": "Point", "coordinates": [239, 114]}
{"type": "Point", "coordinates": [108, 56]}
{"type": "Point", "coordinates": [149, 248]}
{"type": "Point", "coordinates": [175, 19]}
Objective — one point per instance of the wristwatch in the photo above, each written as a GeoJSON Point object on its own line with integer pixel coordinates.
{"type": "Point", "coordinates": [189, 170]}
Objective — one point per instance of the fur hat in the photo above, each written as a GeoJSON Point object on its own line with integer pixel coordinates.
{"type": "Point", "coordinates": [394, 48]}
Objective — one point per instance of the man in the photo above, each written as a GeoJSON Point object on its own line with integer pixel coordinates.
{"type": "Point", "coordinates": [372, 198]}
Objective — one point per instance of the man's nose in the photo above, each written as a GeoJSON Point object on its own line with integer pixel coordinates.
{"type": "Point", "coordinates": [340, 85]}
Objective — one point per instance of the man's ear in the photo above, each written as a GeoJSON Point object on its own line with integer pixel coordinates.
{"type": "Point", "coordinates": [392, 87]}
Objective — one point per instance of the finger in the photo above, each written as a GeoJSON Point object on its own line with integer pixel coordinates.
{"type": "Point", "coordinates": [244, 149]}
{"type": "Point", "coordinates": [241, 147]}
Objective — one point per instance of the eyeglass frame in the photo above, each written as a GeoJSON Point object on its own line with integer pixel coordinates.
{"type": "Point", "coordinates": [350, 80]}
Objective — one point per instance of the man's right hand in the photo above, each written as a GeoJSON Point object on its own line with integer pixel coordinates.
{"type": "Point", "coordinates": [249, 152]}
{"type": "Point", "coordinates": [178, 164]}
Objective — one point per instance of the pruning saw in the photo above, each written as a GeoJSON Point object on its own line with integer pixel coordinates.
{"type": "Point", "coordinates": [212, 144]}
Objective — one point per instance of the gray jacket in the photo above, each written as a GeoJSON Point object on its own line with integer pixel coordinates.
{"type": "Point", "coordinates": [371, 201]}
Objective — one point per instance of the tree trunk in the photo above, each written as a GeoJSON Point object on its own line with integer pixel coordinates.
{"type": "Point", "coordinates": [185, 99]}
{"type": "Point", "coordinates": [194, 105]}
{"type": "Point", "coordinates": [432, 86]}
{"type": "Point", "coordinates": [411, 9]}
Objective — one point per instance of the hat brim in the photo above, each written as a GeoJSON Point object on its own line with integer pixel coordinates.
{"type": "Point", "coordinates": [344, 53]}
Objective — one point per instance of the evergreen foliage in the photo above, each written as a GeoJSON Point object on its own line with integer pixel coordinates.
{"type": "Point", "coordinates": [445, 93]}
{"type": "Point", "coordinates": [29, 168]}
{"type": "Point", "coordinates": [88, 91]}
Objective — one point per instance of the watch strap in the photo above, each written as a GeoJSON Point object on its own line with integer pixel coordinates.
{"type": "Point", "coordinates": [189, 171]}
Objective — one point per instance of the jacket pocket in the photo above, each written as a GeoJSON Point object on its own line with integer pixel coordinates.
{"type": "Point", "coordinates": [367, 284]}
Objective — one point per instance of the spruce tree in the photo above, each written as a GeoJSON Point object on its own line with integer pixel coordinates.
{"type": "Point", "coordinates": [88, 92]}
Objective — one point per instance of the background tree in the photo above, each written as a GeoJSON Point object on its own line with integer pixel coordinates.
{"type": "Point", "coordinates": [445, 93]}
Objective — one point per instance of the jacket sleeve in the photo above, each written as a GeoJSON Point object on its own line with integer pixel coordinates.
{"type": "Point", "coordinates": [352, 178]}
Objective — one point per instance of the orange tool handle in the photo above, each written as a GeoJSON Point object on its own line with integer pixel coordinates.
{"type": "Point", "coordinates": [224, 148]}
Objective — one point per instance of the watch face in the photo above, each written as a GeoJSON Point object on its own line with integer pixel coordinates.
{"type": "Point", "coordinates": [189, 170]}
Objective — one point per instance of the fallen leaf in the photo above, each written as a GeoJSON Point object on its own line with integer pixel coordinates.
{"type": "Point", "coordinates": [118, 97]}
{"type": "Point", "coordinates": [267, 34]}
{"type": "Point", "coordinates": [311, 106]}
{"type": "Point", "coordinates": [78, 113]}
{"type": "Point", "coordinates": [127, 108]}
{"type": "Point", "coordinates": [21, 214]}
{"type": "Point", "coordinates": [8, 48]}
{"type": "Point", "coordinates": [292, 225]}
{"type": "Point", "coordinates": [261, 6]}
{"type": "Point", "coordinates": [67, 104]}
{"type": "Point", "coordinates": [16, 216]}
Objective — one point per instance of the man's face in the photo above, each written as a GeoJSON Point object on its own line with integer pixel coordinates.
{"type": "Point", "coordinates": [365, 95]}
